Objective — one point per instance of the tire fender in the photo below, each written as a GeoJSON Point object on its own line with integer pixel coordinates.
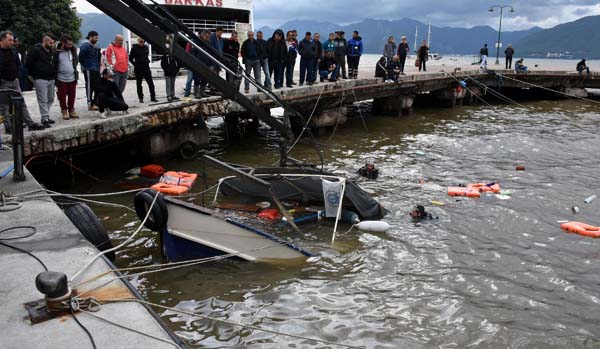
{"type": "Point", "coordinates": [159, 215]}
{"type": "Point", "coordinates": [82, 217]}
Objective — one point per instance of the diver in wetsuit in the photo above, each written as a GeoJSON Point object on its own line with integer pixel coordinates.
{"type": "Point", "coordinates": [419, 213]}
{"type": "Point", "coordinates": [369, 171]}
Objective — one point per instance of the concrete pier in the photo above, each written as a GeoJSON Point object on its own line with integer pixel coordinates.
{"type": "Point", "coordinates": [170, 121]}
{"type": "Point", "coordinates": [62, 248]}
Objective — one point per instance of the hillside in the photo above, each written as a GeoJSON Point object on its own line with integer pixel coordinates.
{"type": "Point", "coordinates": [106, 27]}
{"type": "Point", "coordinates": [443, 40]}
{"type": "Point", "coordinates": [578, 39]}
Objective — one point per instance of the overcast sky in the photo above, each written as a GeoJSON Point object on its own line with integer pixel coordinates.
{"type": "Point", "coordinates": [454, 13]}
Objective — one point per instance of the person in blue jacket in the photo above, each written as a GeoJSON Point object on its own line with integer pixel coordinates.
{"type": "Point", "coordinates": [355, 50]}
{"type": "Point", "coordinates": [89, 58]}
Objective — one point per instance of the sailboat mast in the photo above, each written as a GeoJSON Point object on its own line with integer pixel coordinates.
{"type": "Point", "coordinates": [416, 36]}
{"type": "Point", "coordinates": [429, 36]}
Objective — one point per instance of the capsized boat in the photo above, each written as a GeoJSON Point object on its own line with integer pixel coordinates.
{"type": "Point", "coordinates": [190, 231]}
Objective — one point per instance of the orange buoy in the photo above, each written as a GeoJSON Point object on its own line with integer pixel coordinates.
{"type": "Point", "coordinates": [170, 189]}
{"type": "Point", "coordinates": [581, 229]}
{"type": "Point", "coordinates": [460, 191]}
{"type": "Point", "coordinates": [181, 179]}
{"type": "Point", "coordinates": [485, 188]}
{"type": "Point", "coordinates": [152, 171]}
{"type": "Point", "coordinates": [270, 214]}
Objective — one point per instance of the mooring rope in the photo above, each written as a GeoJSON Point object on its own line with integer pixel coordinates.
{"type": "Point", "coordinates": [496, 93]}
{"type": "Point", "coordinates": [307, 122]}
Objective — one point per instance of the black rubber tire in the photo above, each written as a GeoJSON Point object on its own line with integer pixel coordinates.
{"type": "Point", "coordinates": [159, 216]}
{"type": "Point", "coordinates": [188, 150]}
{"type": "Point", "coordinates": [82, 216]}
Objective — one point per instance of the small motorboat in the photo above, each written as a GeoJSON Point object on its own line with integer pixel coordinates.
{"type": "Point", "coordinates": [190, 231]}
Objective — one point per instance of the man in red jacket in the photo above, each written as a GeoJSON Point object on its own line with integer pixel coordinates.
{"type": "Point", "coordinates": [118, 62]}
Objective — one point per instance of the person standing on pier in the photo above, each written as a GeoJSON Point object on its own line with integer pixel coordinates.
{"type": "Point", "coordinates": [251, 53]}
{"type": "Point", "coordinates": [67, 76]}
{"type": "Point", "coordinates": [90, 58]}
{"type": "Point", "coordinates": [277, 53]}
{"type": "Point", "coordinates": [231, 50]}
{"type": "Point", "coordinates": [40, 64]}
{"type": "Point", "coordinates": [216, 40]}
{"type": "Point", "coordinates": [170, 67]}
{"type": "Point", "coordinates": [355, 50]}
{"type": "Point", "coordinates": [140, 58]}
{"type": "Point", "coordinates": [199, 83]}
{"type": "Point", "coordinates": [9, 72]}
{"type": "Point", "coordinates": [264, 58]}
{"type": "Point", "coordinates": [509, 53]}
{"type": "Point", "coordinates": [403, 50]}
{"type": "Point", "coordinates": [118, 63]}
{"type": "Point", "coordinates": [292, 55]}
{"type": "Point", "coordinates": [341, 50]}
{"type": "Point", "coordinates": [423, 55]}
{"type": "Point", "coordinates": [484, 54]}
{"type": "Point", "coordinates": [329, 45]}
{"type": "Point", "coordinates": [308, 54]}
{"type": "Point", "coordinates": [389, 49]}
{"type": "Point", "coordinates": [317, 40]}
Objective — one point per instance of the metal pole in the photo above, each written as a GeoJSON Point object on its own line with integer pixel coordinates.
{"type": "Point", "coordinates": [499, 32]}
{"type": "Point", "coordinates": [17, 137]}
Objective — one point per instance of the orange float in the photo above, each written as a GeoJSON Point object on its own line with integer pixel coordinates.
{"type": "Point", "coordinates": [181, 179]}
{"type": "Point", "coordinates": [485, 188]}
{"type": "Point", "coordinates": [461, 191]}
{"type": "Point", "coordinates": [581, 229]}
{"type": "Point", "coordinates": [170, 189]}
{"type": "Point", "coordinates": [270, 214]}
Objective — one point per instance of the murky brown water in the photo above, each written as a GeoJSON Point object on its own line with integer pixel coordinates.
{"type": "Point", "coordinates": [487, 273]}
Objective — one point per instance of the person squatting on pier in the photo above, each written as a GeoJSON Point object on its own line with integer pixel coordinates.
{"type": "Point", "coordinates": [65, 65]}
{"type": "Point", "coordinates": [328, 68]}
{"type": "Point", "coordinates": [109, 95]}
{"type": "Point", "coordinates": [139, 56]}
{"type": "Point", "coordinates": [9, 71]}
{"type": "Point", "coordinates": [355, 50]}
{"type": "Point", "coordinates": [582, 67]}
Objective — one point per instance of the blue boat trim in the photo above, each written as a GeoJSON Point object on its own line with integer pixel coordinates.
{"type": "Point", "coordinates": [270, 237]}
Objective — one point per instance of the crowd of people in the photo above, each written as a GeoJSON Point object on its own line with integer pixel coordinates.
{"type": "Point", "coordinates": [51, 67]}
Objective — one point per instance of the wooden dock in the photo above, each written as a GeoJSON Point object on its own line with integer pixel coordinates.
{"type": "Point", "coordinates": [165, 126]}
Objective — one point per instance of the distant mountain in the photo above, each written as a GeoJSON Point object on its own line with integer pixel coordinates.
{"type": "Point", "coordinates": [444, 40]}
{"type": "Point", "coordinates": [106, 27]}
{"type": "Point", "coordinates": [578, 39]}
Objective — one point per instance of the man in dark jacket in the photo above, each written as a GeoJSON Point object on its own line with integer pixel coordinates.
{"type": "Point", "coordinates": [199, 83]}
{"type": "Point", "coordinates": [403, 53]}
{"type": "Point", "coordinates": [9, 72]}
{"type": "Point", "coordinates": [341, 50]}
{"type": "Point", "coordinates": [484, 55]}
{"type": "Point", "coordinates": [320, 55]}
{"type": "Point", "coordinates": [582, 67]}
{"type": "Point", "coordinates": [89, 58]}
{"type": "Point", "coordinates": [308, 53]}
{"type": "Point", "coordinates": [251, 53]}
{"type": "Point", "coordinates": [355, 50]}
{"type": "Point", "coordinates": [65, 65]}
{"type": "Point", "coordinates": [40, 64]}
{"type": "Point", "coordinates": [231, 50]}
{"type": "Point", "coordinates": [509, 53]}
{"type": "Point", "coordinates": [140, 58]}
{"type": "Point", "coordinates": [109, 96]}
{"type": "Point", "coordinates": [277, 55]}
{"type": "Point", "coordinates": [170, 68]}
{"type": "Point", "coordinates": [292, 55]}
{"type": "Point", "coordinates": [264, 58]}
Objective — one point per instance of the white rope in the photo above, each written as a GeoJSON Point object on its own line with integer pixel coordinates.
{"type": "Point", "coordinates": [496, 93]}
{"type": "Point", "coordinates": [88, 264]}
{"type": "Point", "coordinates": [307, 122]}
{"type": "Point", "coordinates": [229, 322]}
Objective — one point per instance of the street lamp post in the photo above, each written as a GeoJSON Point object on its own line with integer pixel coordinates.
{"type": "Point", "coordinates": [501, 7]}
